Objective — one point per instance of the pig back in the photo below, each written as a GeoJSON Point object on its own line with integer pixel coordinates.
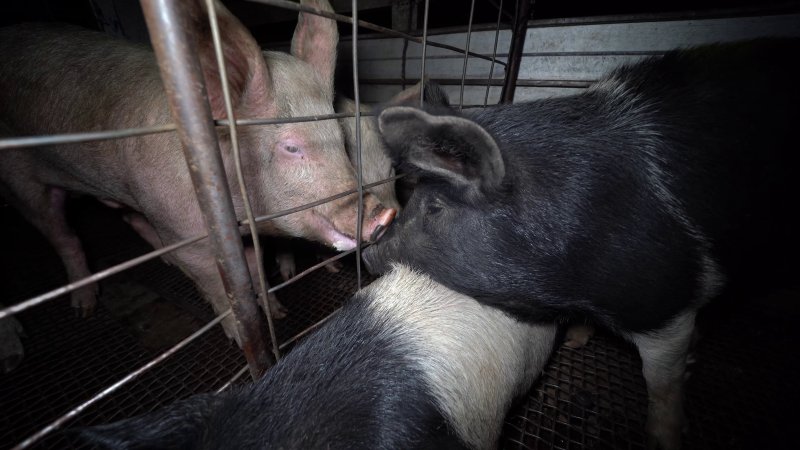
{"type": "Point", "coordinates": [63, 79]}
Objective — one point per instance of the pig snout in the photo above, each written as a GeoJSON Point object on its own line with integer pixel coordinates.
{"type": "Point", "coordinates": [380, 221]}
{"type": "Point", "coordinates": [342, 228]}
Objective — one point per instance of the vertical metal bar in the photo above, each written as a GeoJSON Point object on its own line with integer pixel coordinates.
{"type": "Point", "coordinates": [515, 52]}
{"type": "Point", "coordinates": [360, 172]}
{"type": "Point", "coordinates": [466, 56]}
{"type": "Point", "coordinates": [177, 55]}
{"type": "Point", "coordinates": [223, 75]}
{"type": "Point", "coordinates": [403, 65]}
{"type": "Point", "coordinates": [494, 53]}
{"type": "Point", "coordinates": [424, 50]}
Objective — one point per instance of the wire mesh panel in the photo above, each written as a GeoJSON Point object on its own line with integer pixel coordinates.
{"type": "Point", "coordinates": [592, 397]}
{"type": "Point", "coordinates": [741, 392]}
{"type": "Point", "coordinates": [142, 312]}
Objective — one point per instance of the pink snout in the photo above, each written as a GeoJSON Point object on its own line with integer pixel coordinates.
{"type": "Point", "coordinates": [378, 224]}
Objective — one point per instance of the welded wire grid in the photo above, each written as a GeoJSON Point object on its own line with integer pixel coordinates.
{"type": "Point", "coordinates": [741, 393]}
{"type": "Point", "coordinates": [592, 397]}
{"type": "Point", "coordinates": [587, 398]}
{"type": "Point", "coordinates": [45, 301]}
{"type": "Point", "coordinates": [68, 358]}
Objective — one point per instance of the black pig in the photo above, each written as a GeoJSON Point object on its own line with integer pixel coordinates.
{"type": "Point", "coordinates": [406, 364]}
{"type": "Point", "coordinates": [626, 203]}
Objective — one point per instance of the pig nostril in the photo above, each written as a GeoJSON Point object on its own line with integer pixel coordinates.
{"type": "Point", "coordinates": [377, 233]}
{"type": "Point", "coordinates": [383, 220]}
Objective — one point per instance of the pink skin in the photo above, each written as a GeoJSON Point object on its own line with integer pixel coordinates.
{"type": "Point", "coordinates": [296, 155]}
{"type": "Point", "coordinates": [69, 247]}
{"type": "Point", "coordinates": [285, 165]}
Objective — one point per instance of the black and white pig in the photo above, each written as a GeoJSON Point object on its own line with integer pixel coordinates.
{"type": "Point", "coordinates": [59, 79]}
{"type": "Point", "coordinates": [628, 203]}
{"type": "Point", "coordinates": [406, 364]}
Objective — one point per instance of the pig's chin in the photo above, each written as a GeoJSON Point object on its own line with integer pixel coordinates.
{"type": "Point", "coordinates": [328, 234]}
{"type": "Point", "coordinates": [374, 261]}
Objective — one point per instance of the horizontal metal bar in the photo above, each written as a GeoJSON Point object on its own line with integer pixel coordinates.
{"type": "Point", "coordinates": [482, 82]}
{"type": "Point", "coordinates": [249, 122]}
{"type": "Point", "coordinates": [14, 309]}
{"type": "Point", "coordinates": [744, 11]}
{"type": "Point", "coordinates": [5, 312]}
{"type": "Point", "coordinates": [282, 347]}
{"type": "Point", "coordinates": [286, 212]}
{"type": "Point", "coordinates": [299, 335]}
{"type": "Point", "coordinates": [535, 55]}
{"type": "Point", "coordinates": [785, 8]}
{"type": "Point", "coordinates": [370, 26]}
{"type": "Point", "coordinates": [70, 138]}
{"type": "Point", "coordinates": [302, 274]}
{"type": "Point", "coordinates": [233, 379]}
{"type": "Point", "coordinates": [597, 53]}
{"type": "Point", "coordinates": [114, 387]}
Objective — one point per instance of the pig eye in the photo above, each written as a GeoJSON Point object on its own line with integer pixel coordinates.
{"type": "Point", "coordinates": [434, 208]}
{"type": "Point", "coordinates": [292, 147]}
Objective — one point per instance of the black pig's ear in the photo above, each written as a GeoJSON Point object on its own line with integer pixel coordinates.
{"type": "Point", "coordinates": [452, 147]}
{"type": "Point", "coordinates": [180, 425]}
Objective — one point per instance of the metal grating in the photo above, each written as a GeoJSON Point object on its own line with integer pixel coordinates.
{"type": "Point", "coordinates": [69, 359]}
{"type": "Point", "coordinates": [593, 397]}
{"type": "Point", "coordinates": [741, 393]}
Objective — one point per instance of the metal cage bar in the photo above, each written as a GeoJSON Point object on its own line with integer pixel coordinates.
{"type": "Point", "coordinates": [183, 82]}
{"type": "Point", "coordinates": [185, 88]}
{"type": "Point", "coordinates": [520, 29]}
{"type": "Point", "coordinates": [466, 56]}
{"type": "Point", "coordinates": [237, 159]}
{"type": "Point", "coordinates": [494, 52]}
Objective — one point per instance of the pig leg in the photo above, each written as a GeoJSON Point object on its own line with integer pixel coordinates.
{"type": "Point", "coordinates": [664, 353]}
{"type": "Point", "coordinates": [43, 207]}
{"type": "Point", "coordinates": [11, 350]}
{"type": "Point", "coordinates": [140, 224]}
{"type": "Point", "coordinates": [197, 261]}
{"type": "Point", "coordinates": [286, 264]}
{"type": "Point", "coordinates": [276, 308]}
{"type": "Point", "coordinates": [331, 267]}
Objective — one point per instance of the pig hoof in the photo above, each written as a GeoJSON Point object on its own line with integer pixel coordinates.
{"type": "Point", "coordinates": [229, 327]}
{"type": "Point", "coordinates": [334, 267]}
{"type": "Point", "coordinates": [84, 301]}
{"type": "Point", "coordinates": [11, 350]}
{"type": "Point", "coordinates": [578, 335]}
{"type": "Point", "coordinates": [277, 310]}
{"type": "Point", "coordinates": [287, 265]}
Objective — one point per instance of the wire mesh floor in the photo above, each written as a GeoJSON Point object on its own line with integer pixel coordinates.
{"type": "Point", "coordinates": [741, 392]}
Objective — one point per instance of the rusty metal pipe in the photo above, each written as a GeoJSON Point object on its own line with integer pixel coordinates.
{"type": "Point", "coordinates": [176, 52]}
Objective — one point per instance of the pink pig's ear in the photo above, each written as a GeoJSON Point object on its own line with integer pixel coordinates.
{"type": "Point", "coordinates": [247, 72]}
{"type": "Point", "coordinates": [315, 40]}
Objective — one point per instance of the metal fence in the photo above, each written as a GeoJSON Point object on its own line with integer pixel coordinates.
{"type": "Point", "coordinates": [183, 82]}
{"type": "Point", "coordinates": [587, 399]}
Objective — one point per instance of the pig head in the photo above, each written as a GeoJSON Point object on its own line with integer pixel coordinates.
{"type": "Point", "coordinates": [375, 160]}
{"type": "Point", "coordinates": [60, 79]}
